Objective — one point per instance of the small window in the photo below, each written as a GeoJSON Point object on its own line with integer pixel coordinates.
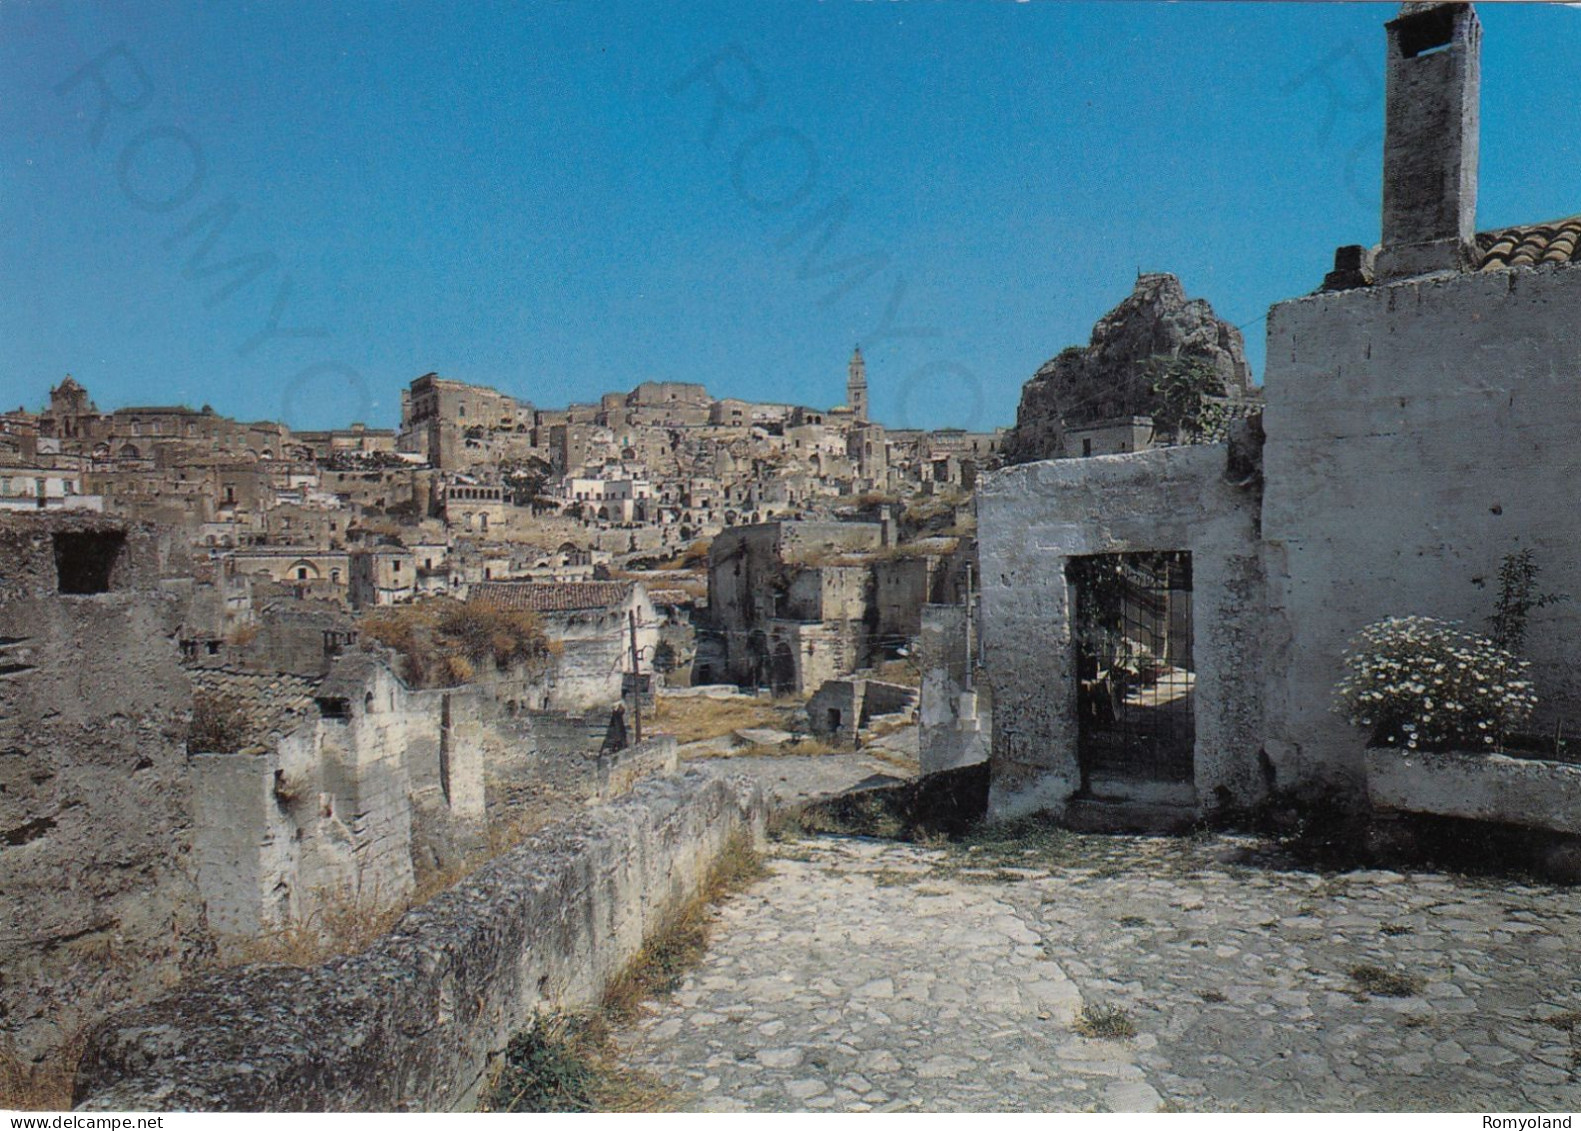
{"type": "Point", "coordinates": [1086, 447]}
{"type": "Point", "coordinates": [85, 561]}
{"type": "Point", "coordinates": [301, 573]}
{"type": "Point", "coordinates": [397, 566]}
{"type": "Point", "coordinates": [1427, 33]}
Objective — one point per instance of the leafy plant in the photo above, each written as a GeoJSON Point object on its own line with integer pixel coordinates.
{"type": "Point", "coordinates": [1184, 389]}
{"type": "Point", "coordinates": [1518, 598]}
{"type": "Point", "coordinates": [1423, 684]}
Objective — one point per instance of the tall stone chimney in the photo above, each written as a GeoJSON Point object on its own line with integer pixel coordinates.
{"type": "Point", "coordinates": [1430, 141]}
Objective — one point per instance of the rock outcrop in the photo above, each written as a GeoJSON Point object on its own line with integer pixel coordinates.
{"type": "Point", "coordinates": [1108, 378]}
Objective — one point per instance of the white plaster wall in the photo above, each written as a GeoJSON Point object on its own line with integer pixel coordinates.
{"type": "Point", "coordinates": [1031, 518]}
{"type": "Point", "coordinates": [1416, 433]}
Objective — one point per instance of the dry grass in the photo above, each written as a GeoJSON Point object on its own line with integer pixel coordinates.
{"type": "Point", "coordinates": [44, 1085]}
{"type": "Point", "coordinates": [902, 671]}
{"type": "Point", "coordinates": [1379, 982]}
{"type": "Point", "coordinates": [443, 641]}
{"type": "Point", "coordinates": [682, 939]}
{"type": "Point", "coordinates": [564, 1062]}
{"type": "Point", "coordinates": [337, 930]}
{"type": "Point", "coordinates": [568, 1061]}
{"type": "Point", "coordinates": [695, 718]}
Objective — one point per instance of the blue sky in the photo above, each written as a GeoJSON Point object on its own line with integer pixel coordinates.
{"type": "Point", "coordinates": [560, 199]}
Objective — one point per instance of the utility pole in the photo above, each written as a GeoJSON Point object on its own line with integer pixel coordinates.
{"type": "Point", "coordinates": [636, 681]}
{"type": "Point", "coordinates": [968, 626]}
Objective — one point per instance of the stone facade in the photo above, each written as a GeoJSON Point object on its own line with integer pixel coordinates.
{"type": "Point", "coordinates": [1416, 432]}
{"type": "Point", "coordinates": [954, 714]}
{"type": "Point", "coordinates": [1037, 518]}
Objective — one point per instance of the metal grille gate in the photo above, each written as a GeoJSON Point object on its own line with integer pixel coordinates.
{"type": "Point", "coordinates": [1135, 680]}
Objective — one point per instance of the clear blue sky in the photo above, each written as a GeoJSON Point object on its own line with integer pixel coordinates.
{"type": "Point", "coordinates": [528, 195]}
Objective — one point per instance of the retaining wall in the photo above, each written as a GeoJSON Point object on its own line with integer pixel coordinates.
{"type": "Point", "coordinates": [415, 1022]}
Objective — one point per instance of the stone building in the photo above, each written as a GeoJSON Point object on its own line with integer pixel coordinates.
{"type": "Point", "coordinates": [1163, 630]}
{"type": "Point", "coordinates": [777, 591]}
{"type": "Point", "coordinates": [590, 623]}
{"type": "Point", "coordinates": [96, 889]}
{"type": "Point", "coordinates": [343, 793]}
{"type": "Point", "coordinates": [451, 423]}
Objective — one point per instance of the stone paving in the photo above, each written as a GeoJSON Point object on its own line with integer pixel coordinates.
{"type": "Point", "coordinates": [868, 975]}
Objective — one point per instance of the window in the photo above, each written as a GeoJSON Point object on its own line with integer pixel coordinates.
{"type": "Point", "coordinates": [301, 573]}
{"type": "Point", "coordinates": [1086, 447]}
{"type": "Point", "coordinates": [1427, 33]}
{"type": "Point", "coordinates": [84, 561]}
{"type": "Point", "coordinates": [397, 565]}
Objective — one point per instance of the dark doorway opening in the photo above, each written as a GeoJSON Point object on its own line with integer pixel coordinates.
{"type": "Point", "coordinates": [1136, 681]}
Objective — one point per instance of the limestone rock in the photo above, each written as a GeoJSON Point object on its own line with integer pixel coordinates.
{"type": "Point", "coordinates": [1107, 379]}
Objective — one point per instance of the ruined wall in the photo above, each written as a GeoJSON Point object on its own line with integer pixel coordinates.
{"type": "Point", "coordinates": [1417, 433]}
{"type": "Point", "coordinates": [953, 723]}
{"type": "Point", "coordinates": [95, 898]}
{"type": "Point", "coordinates": [285, 830]}
{"type": "Point", "coordinates": [1032, 518]}
{"type": "Point", "coordinates": [414, 1023]}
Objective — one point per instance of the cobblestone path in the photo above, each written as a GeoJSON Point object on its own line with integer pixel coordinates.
{"type": "Point", "coordinates": [875, 976]}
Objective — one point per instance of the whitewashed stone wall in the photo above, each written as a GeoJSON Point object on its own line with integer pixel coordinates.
{"type": "Point", "coordinates": [1032, 519]}
{"type": "Point", "coordinates": [1416, 433]}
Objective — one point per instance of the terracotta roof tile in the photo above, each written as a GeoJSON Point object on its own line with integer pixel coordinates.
{"type": "Point", "coordinates": [550, 596]}
{"type": "Point", "coordinates": [1555, 241]}
{"type": "Point", "coordinates": [274, 703]}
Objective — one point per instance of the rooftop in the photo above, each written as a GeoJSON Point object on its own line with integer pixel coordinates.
{"type": "Point", "coordinates": [1553, 241]}
{"type": "Point", "coordinates": [272, 702]}
{"type": "Point", "coordinates": [551, 596]}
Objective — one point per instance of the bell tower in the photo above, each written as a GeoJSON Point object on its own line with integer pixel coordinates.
{"type": "Point", "coordinates": [856, 385]}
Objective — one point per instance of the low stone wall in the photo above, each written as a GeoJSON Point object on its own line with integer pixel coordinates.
{"type": "Point", "coordinates": [414, 1023]}
{"type": "Point", "coordinates": [620, 770]}
{"type": "Point", "coordinates": [1479, 787]}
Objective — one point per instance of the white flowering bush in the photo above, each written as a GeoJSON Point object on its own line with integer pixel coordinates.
{"type": "Point", "coordinates": [1424, 684]}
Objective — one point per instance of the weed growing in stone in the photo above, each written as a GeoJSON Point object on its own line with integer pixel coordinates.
{"type": "Point", "coordinates": [1107, 1022]}
{"type": "Point", "coordinates": [1379, 982]}
{"type": "Point", "coordinates": [562, 1063]}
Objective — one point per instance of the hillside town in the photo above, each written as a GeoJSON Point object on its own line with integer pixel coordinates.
{"type": "Point", "coordinates": [1203, 740]}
